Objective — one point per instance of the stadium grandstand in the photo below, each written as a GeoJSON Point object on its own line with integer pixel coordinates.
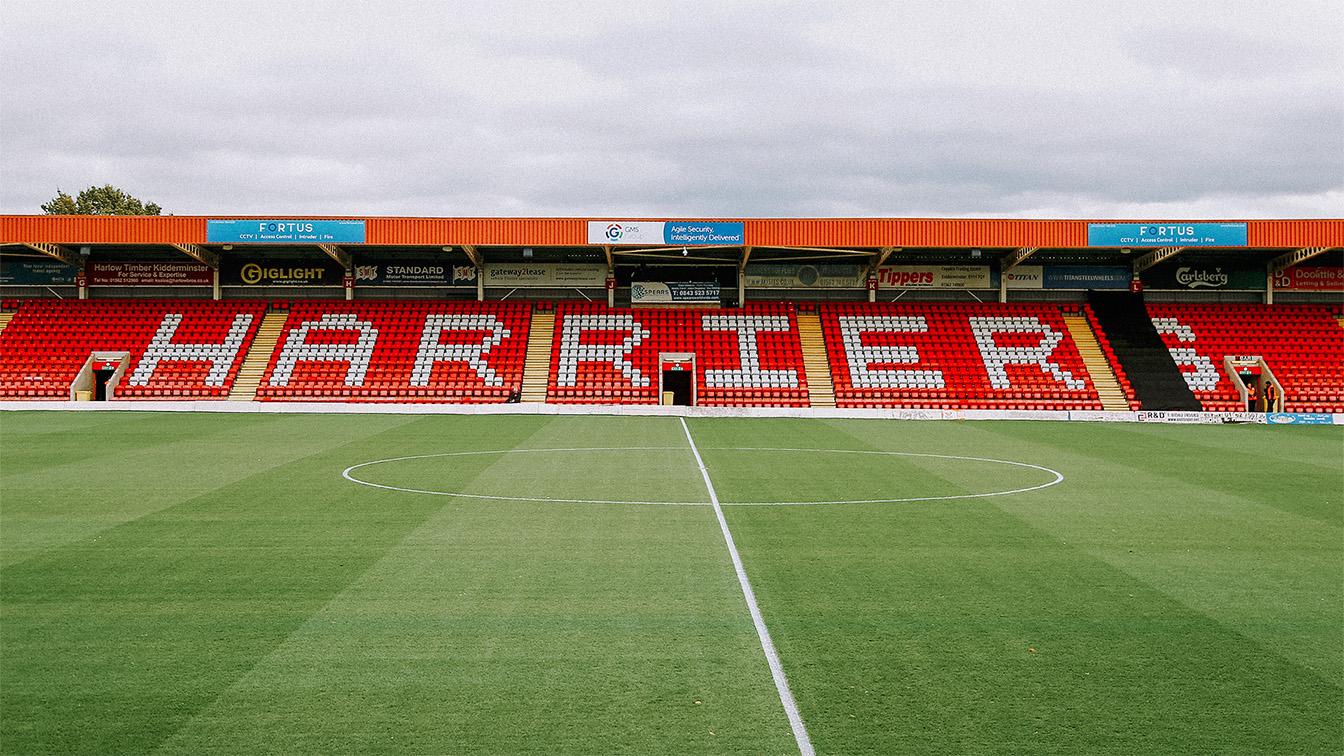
{"type": "Point", "coordinates": [1049, 315]}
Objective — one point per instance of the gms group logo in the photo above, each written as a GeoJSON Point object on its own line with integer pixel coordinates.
{"type": "Point", "coordinates": [614, 232]}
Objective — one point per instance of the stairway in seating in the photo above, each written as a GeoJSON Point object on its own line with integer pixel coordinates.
{"type": "Point", "coordinates": [1103, 377]}
{"type": "Point", "coordinates": [537, 368]}
{"type": "Point", "coordinates": [5, 317]}
{"type": "Point", "coordinates": [1157, 382]}
{"type": "Point", "coordinates": [820, 389]}
{"type": "Point", "coordinates": [258, 357]}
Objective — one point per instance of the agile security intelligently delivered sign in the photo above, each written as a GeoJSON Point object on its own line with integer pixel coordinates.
{"type": "Point", "coordinates": [678, 233]}
{"type": "Point", "coordinates": [268, 231]}
{"type": "Point", "coordinates": [1162, 234]}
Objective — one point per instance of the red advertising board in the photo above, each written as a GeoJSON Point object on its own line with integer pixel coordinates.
{"type": "Point", "coordinates": [1317, 278]}
{"type": "Point", "coordinates": [148, 274]}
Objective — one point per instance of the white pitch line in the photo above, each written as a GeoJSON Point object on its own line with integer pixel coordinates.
{"type": "Point", "coordinates": [767, 645]}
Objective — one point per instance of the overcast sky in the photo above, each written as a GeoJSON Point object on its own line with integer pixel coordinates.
{"type": "Point", "coordinates": [1008, 108]}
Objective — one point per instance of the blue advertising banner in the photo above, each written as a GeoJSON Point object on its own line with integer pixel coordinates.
{"type": "Point", "coordinates": [1086, 277]}
{"type": "Point", "coordinates": [1161, 234]}
{"type": "Point", "coordinates": [266, 231]}
{"type": "Point", "coordinates": [35, 273]}
{"type": "Point", "coordinates": [681, 233]}
{"type": "Point", "coordinates": [1300, 418]}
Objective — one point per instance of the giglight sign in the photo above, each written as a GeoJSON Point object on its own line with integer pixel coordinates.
{"type": "Point", "coordinates": [269, 231]}
{"type": "Point", "coordinates": [1160, 233]}
{"type": "Point", "coordinates": [678, 233]}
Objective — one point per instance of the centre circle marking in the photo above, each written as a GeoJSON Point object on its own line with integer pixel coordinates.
{"type": "Point", "coordinates": [1058, 477]}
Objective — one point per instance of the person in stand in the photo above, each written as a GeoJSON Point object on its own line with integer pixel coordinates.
{"type": "Point", "coordinates": [1271, 397]}
{"type": "Point", "coordinates": [1252, 397]}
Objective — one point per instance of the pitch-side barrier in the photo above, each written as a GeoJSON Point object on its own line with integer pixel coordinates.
{"type": "Point", "coordinates": [356, 408]}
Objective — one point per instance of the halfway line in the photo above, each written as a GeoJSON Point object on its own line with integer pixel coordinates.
{"type": "Point", "coordinates": [767, 645]}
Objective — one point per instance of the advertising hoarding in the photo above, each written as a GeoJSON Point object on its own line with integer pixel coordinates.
{"type": "Point", "coordinates": [31, 272]}
{"type": "Point", "coordinates": [546, 275]}
{"type": "Point", "coordinates": [784, 276]}
{"type": "Point", "coordinates": [149, 274]}
{"type": "Point", "coordinates": [283, 231]}
{"type": "Point", "coordinates": [1166, 233]}
{"type": "Point", "coordinates": [677, 233]}
{"type": "Point", "coordinates": [935, 277]}
{"type": "Point", "coordinates": [673, 292]}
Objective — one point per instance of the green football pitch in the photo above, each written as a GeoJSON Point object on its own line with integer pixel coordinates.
{"type": "Point", "coordinates": [196, 583]}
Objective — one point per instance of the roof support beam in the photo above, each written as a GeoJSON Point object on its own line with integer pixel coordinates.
{"type": "Point", "coordinates": [57, 251]}
{"type": "Point", "coordinates": [473, 254]}
{"type": "Point", "coordinates": [199, 254]}
{"type": "Point", "coordinates": [1016, 257]}
{"type": "Point", "coordinates": [336, 253]}
{"type": "Point", "coordinates": [1284, 262]}
{"type": "Point", "coordinates": [669, 251]}
{"type": "Point", "coordinates": [1155, 257]}
{"type": "Point", "coordinates": [746, 255]}
{"type": "Point", "coordinates": [611, 264]}
{"type": "Point", "coordinates": [881, 257]}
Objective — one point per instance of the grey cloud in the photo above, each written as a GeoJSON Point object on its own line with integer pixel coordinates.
{"type": "Point", "coordinates": [680, 109]}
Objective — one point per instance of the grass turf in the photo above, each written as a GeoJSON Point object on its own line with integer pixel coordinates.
{"type": "Point", "coordinates": [197, 583]}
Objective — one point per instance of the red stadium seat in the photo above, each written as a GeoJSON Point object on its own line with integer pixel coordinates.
{"type": "Point", "coordinates": [178, 349]}
{"type": "Point", "coordinates": [1302, 344]}
{"type": "Point", "coordinates": [954, 356]}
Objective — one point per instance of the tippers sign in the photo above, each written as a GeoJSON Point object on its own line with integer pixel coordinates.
{"type": "Point", "coordinates": [279, 273]}
{"type": "Point", "coordinates": [269, 231]}
{"type": "Point", "coordinates": [674, 233]}
{"type": "Point", "coordinates": [934, 277]}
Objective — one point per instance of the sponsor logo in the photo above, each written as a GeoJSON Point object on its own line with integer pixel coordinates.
{"type": "Point", "coordinates": [1201, 279]}
{"type": "Point", "coordinates": [614, 232]}
{"type": "Point", "coordinates": [253, 273]}
{"type": "Point", "coordinates": [1166, 230]}
{"type": "Point", "coordinates": [464, 273]}
{"type": "Point", "coordinates": [276, 227]}
{"type": "Point", "coordinates": [1299, 418]}
{"type": "Point", "coordinates": [366, 272]}
{"type": "Point", "coordinates": [910, 278]}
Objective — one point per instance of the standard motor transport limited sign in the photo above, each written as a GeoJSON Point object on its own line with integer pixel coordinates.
{"type": "Point", "coordinates": [414, 273]}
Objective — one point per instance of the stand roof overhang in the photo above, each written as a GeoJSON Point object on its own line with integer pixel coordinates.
{"type": "Point", "coordinates": [780, 233]}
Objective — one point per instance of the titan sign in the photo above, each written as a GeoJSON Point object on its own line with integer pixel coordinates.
{"type": "Point", "coordinates": [269, 231]}
{"type": "Point", "coordinates": [1161, 233]}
